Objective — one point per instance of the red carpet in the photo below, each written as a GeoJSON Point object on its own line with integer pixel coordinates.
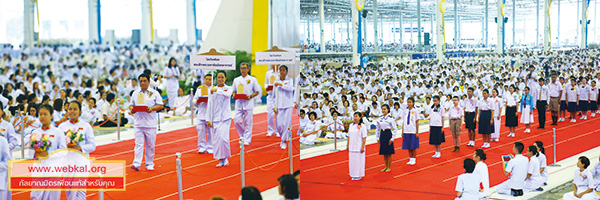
{"type": "Point", "coordinates": [201, 180]}
{"type": "Point", "coordinates": [326, 177]}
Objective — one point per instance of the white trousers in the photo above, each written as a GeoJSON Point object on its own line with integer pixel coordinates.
{"type": "Point", "coordinates": [496, 133]}
{"type": "Point", "coordinates": [5, 194]}
{"type": "Point", "coordinates": [204, 136]}
{"type": "Point", "coordinates": [270, 117]}
{"type": "Point", "coordinates": [220, 132]}
{"type": "Point", "coordinates": [284, 121]}
{"type": "Point", "coordinates": [145, 140]}
{"type": "Point", "coordinates": [243, 124]}
{"type": "Point", "coordinates": [588, 196]}
{"type": "Point", "coordinates": [76, 195]}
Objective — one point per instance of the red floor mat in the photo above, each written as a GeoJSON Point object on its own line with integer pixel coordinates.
{"type": "Point", "coordinates": [326, 177]}
{"type": "Point", "coordinates": [201, 180]}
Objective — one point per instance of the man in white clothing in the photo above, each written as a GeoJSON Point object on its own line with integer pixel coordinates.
{"type": "Point", "coordinates": [245, 88]}
{"type": "Point", "coordinates": [145, 122]}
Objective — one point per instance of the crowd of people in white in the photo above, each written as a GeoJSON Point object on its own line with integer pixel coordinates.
{"type": "Point", "coordinates": [391, 95]}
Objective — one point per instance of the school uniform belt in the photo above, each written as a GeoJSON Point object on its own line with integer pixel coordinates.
{"type": "Point", "coordinates": [512, 106]}
{"type": "Point", "coordinates": [470, 112]}
{"type": "Point", "coordinates": [454, 118]}
{"type": "Point", "coordinates": [485, 110]}
{"type": "Point", "coordinates": [542, 100]}
{"type": "Point", "coordinates": [387, 129]}
{"type": "Point", "coordinates": [553, 97]}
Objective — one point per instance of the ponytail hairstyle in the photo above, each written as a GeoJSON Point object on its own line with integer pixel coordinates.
{"type": "Point", "coordinates": [479, 153]}
{"type": "Point", "coordinates": [533, 150]}
{"type": "Point", "coordinates": [540, 145]}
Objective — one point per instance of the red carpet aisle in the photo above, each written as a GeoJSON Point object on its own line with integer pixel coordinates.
{"type": "Point", "coordinates": [201, 180]}
{"type": "Point", "coordinates": [326, 177]}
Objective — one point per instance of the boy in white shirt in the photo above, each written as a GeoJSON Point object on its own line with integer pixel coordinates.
{"type": "Point", "coordinates": [517, 168]}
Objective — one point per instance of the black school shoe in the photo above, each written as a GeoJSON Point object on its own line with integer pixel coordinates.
{"type": "Point", "coordinates": [516, 193]}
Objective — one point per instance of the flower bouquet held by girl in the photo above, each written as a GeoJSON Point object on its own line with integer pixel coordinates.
{"type": "Point", "coordinates": [73, 138]}
{"type": "Point", "coordinates": [40, 143]}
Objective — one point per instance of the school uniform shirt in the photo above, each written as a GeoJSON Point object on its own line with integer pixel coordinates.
{"type": "Point", "coordinates": [468, 184]}
{"type": "Point", "coordinates": [218, 104]}
{"type": "Point", "coordinates": [511, 99]}
{"type": "Point", "coordinates": [555, 89]}
{"type": "Point", "coordinates": [497, 104]}
{"type": "Point", "coordinates": [594, 93]}
{"type": "Point", "coordinates": [543, 94]}
{"type": "Point", "coordinates": [284, 93]}
{"type": "Point", "coordinates": [584, 92]}
{"type": "Point", "coordinates": [517, 167]}
{"type": "Point", "coordinates": [564, 92]}
{"type": "Point", "coordinates": [527, 100]}
{"type": "Point", "coordinates": [409, 118]}
{"type": "Point", "coordinates": [572, 92]}
{"type": "Point", "coordinates": [148, 98]}
{"type": "Point", "coordinates": [436, 116]}
{"type": "Point", "coordinates": [88, 144]}
{"type": "Point", "coordinates": [470, 105]}
{"type": "Point", "coordinates": [485, 104]}
{"type": "Point", "coordinates": [250, 86]}
{"type": "Point", "coordinates": [455, 112]}
{"type": "Point", "coordinates": [384, 123]}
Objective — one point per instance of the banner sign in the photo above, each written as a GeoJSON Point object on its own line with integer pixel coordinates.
{"type": "Point", "coordinates": [212, 62]}
{"type": "Point", "coordinates": [275, 58]}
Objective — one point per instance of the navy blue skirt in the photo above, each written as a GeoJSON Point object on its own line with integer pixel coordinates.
{"type": "Point", "coordinates": [485, 126]}
{"type": "Point", "coordinates": [511, 117]}
{"type": "Point", "coordinates": [436, 135]}
{"type": "Point", "coordinates": [593, 105]}
{"type": "Point", "coordinates": [572, 107]}
{"type": "Point", "coordinates": [410, 141]}
{"type": "Point", "coordinates": [584, 105]}
{"type": "Point", "coordinates": [563, 105]}
{"type": "Point", "coordinates": [385, 148]}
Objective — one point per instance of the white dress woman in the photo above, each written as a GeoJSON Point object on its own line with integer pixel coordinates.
{"type": "Point", "coordinates": [357, 133]}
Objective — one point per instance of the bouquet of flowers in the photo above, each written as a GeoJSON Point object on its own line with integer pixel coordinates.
{"type": "Point", "coordinates": [40, 143]}
{"type": "Point", "coordinates": [73, 137]}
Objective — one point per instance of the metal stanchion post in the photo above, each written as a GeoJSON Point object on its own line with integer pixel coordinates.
{"type": "Point", "coordinates": [158, 117]}
{"type": "Point", "coordinates": [242, 170]}
{"type": "Point", "coordinates": [101, 191]}
{"type": "Point", "coordinates": [334, 137]}
{"type": "Point", "coordinates": [554, 146]}
{"type": "Point", "coordinates": [179, 184]}
{"type": "Point", "coordinates": [192, 105]}
{"type": "Point", "coordinates": [290, 152]}
{"type": "Point", "coordinates": [118, 119]}
{"type": "Point", "coordinates": [22, 139]}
